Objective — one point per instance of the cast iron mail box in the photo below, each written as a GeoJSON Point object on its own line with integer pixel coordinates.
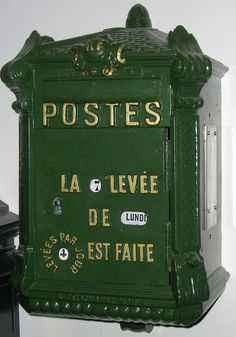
{"type": "Point", "coordinates": [114, 166]}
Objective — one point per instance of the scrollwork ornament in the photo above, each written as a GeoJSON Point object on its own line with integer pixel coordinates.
{"type": "Point", "coordinates": [20, 105]}
{"type": "Point", "coordinates": [191, 69]}
{"type": "Point", "coordinates": [99, 56]}
{"type": "Point", "coordinates": [189, 279]}
{"type": "Point", "coordinates": [20, 72]}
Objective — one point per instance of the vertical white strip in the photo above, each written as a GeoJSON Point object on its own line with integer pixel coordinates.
{"type": "Point", "coordinates": [234, 175]}
{"type": "Point", "coordinates": [210, 164]}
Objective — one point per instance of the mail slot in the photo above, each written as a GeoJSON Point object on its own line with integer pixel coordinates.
{"type": "Point", "coordinates": [120, 190]}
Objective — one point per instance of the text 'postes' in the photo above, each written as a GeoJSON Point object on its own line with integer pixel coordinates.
{"type": "Point", "coordinates": [128, 114]}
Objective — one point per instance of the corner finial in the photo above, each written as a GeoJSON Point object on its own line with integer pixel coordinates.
{"type": "Point", "coordinates": [138, 17]}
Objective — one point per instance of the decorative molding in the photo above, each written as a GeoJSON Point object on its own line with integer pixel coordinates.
{"type": "Point", "coordinates": [190, 70]}
{"type": "Point", "coordinates": [191, 63]}
{"type": "Point", "coordinates": [16, 75]}
{"type": "Point", "coordinates": [189, 102]}
{"type": "Point", "coordinates": [20, 105]}
{"type": "Point", "coordinates": [189, 279]}
{"type": "Point", "coordinates": [217, 282]}
{"type": "Point", "coordinates": [186, 315]}
{"type": "Point", "coordinates": [186, 175]}
{"type": "Point", "coordinates": [17, 71]}
{"type": "Point", "coordinates": [99, 55]}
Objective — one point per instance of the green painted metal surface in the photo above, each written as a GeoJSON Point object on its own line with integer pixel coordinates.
{"type": "Point", "coordinates": [109, 175]}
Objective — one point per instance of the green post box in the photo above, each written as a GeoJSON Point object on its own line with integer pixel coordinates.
{"type": "Point", "coordinates": [120, 191]}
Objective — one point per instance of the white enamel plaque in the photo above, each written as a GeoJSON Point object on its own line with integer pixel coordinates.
{"type": "Point", "coordinates": [95, 185]}
{"type": "Point", "coordinates": [63, 254]}
{"type": "Point", "coordinates": [134, 218]}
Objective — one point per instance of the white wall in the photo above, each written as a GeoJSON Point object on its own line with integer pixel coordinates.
{"type": "Point", "coordinates": [213, 24]}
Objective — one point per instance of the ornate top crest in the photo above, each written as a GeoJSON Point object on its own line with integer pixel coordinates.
{"type": "Point", "coordinates": [99, 55]}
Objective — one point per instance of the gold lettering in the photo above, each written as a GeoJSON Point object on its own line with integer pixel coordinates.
{"type": "Point", "coordinates": [65, 113]}
{"type": "Point", "coordinates": [63, 184]}
{"type": "Point", "coordinates": [91, 113]}
{"type": "Point", "coordinates": [118, 251]}
{"type": "Point", "coordinates": [153, 184]}
{"type": "Point", "coordinates": [90, 250]}
{"type": "Point", "coordinates": [121, 184]}
{"type": "Point", "coordinates": [79, 254]}
{"type": "Point", "coordinates": [132, 183]}
{"type": "Point", "coordinates": [155, 114]}
{"type": "Point", "coordinates": [50, 264]}
{"type": "Point", "coordinates": [78, 263]}
{"type": "Point", "coordinates": [143, 184]}
{"type": "Point", "coordinates": [134, 253]}
{"type": "Point", "coordinates": [74, 269]}
{"type": "Point", "coordinates": [78, 250]}
{"type": "Point", "coordinates": [55, 267]}
{"type": "Point", "coordinates": [62, 236]}
{"type": "Point", "coordinates": [93, 217]}
{"type": "Point", "coordinates": [49, 111]}
{"type": "Point", "coordinates": [112, 185]}
{"type": "Point", "coordinates": [73, 240]}
{"type": "Point", "coordinates": [141, 248]}
{"type": "Point", "coordinates": [150, 252]}
{"type": "Point", "coordinates": [105, 217]}
{"type": "Point", "coordinates": [67, 238]}
{"type": "Point", "coordinates": [69, 113]}
{"type": "Point", "coordinates": [98, 254]}
{"type": "Point", "coordinates": [112, 107]}
{"type": "Point", "coordinates": [126, 253]}
{"type": "Point", "coordinates": [130, 113]}
{"type": "Point", "coordinates": [98, 251]}
{"type": "Point", "coordinates": [48, 245]}
{"type": "Point", "coordinates": [107, 247]}
{"type": "Point", "coordinates": [74, 184]}
{"type": "Point", "coordinates": [53, 240]}
{"type": "Point", "coordinates": [46, 251]}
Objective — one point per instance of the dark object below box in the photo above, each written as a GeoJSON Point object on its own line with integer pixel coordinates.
{"type": "Point", "coordinates": [9, 310]}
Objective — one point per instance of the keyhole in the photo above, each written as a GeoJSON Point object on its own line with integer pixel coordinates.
{"type": "Point", "coordinates": [57, 205]}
